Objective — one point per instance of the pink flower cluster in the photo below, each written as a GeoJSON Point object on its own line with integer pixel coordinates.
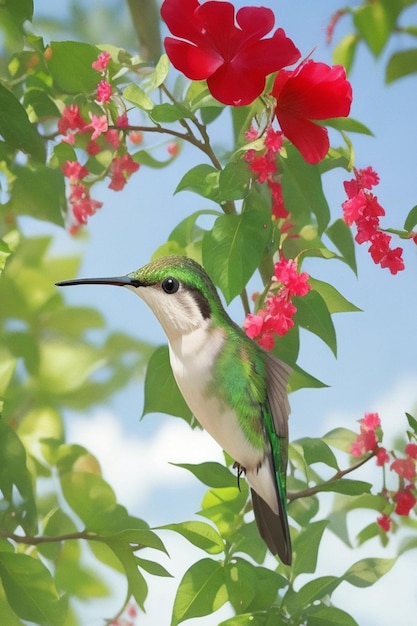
{"type": "Point", "coordinates": [264, 165]}
{"type": "Point", "coordinates": [403, 500]}
{"type": "Point", "coordinates": [363, 209]}
{"type": "Point", "coordinates": [276, 317]}
{"type": "Point", "coordinates": [92, 136]}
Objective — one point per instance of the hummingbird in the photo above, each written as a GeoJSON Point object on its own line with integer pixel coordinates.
{"type": "Point", "coordinates": [236, 390]}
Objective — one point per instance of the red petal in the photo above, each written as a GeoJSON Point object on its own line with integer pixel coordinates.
{"type": "Point", "coordinates": [311, 140]}
{"type": "Point", "coordinates": [182, 22]}
{"type": "Point", "coordinates": [256, 21]}
{"type": "Point", "coordinates": [237, 87]}
{"type": "Point", "coordinates": [195, 62]}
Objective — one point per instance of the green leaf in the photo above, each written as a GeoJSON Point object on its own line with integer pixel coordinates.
{"type": "Point", "coordinates": [211, 473]}
{"type": "Point", "coordinates": [324, 615]}
{"type": "Point", "coordinates": [237, 237]}
{"type": "Point", "coordinates": [340, 438]}
{"type": "Point", "coordinates": [158, 76]}
{"type": "Point", "coordinates": [224, 506]}
{"type": "Point", "coordinates": [199, 534]}
{"type": "Point", "coordinates": [267, 583]}
{"type": "Point", "coordinates": [134, 94]}
{"type": "Point", "coordinates": [234, 181]}
{"type": "Point", "coordinates": [314, 590]}
{"type": "Point", "coordinates": [30, 590]}
{"type": "Point", "coordinates": [300, 379]}
{"type": "Point", "coordinates": [156, 569]}
{"type": "Point", "coordinates": [145, 158]}
{"type": "Point", "coordinates": [70, 66]}
{"type": "Point", "coordinates": [411, 219]}
{"type": "Point", "coordinates": [167, 113]}
{"type": "Point", "coordinates": [240, 582]}
{"type": "Point", "coordinates": [347, 486]}
{"type": "Point", "coordinates": [302, 191]}
{"type": "Point", "coordinates": [340, 235]}
{"type": "Point", "coordinates": [374, 25]}
{"type": "Point", "coordinates": [335, 302]}
{"type": "Point", "coordinates": [302, 510]}
{"type": "Point", "coordinates": [366, 572]}
{"type": "Point", "coordinates": [347, 124]}
{"type": "Point", "coordinates": [344, 52]}
{"type": "Point", "coordinates": [7, 368]}
{"type": "Point", "coordinates": [20, 10]}
{"type": "Point", "coordinates": [16, 128]}
{"type": "Point", "coordinates": [401, 64]}
{"type": "Point", "coordinates": [14, 476]}
{"type": "Point", "coordinates": [306, 547]}
{"type": "Point", "coordinates": [202, 179]}
{"type": "Point", "coordinates": [412, 422]}
{"type": "Point", "coordinates": [161, 391]}
{"type": "Point", "coordinates": [313, 315]}
{"type": "Point", "coordinates": [317, 451]}
{"type": "Point", "coordinates": [202, 591]}
{"type": "Point", "coordinates": [40, 193]}
{"type": "Point", "coordinates": [137, 586]}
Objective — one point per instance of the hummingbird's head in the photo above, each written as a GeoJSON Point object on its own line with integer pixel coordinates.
{"type": "Point", "coordinates": [176, 288]}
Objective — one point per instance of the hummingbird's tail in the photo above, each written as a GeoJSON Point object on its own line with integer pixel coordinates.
{"type": "Point", "coordinates": [273, 528]}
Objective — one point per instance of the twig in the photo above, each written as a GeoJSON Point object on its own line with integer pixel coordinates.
{"type": "Point", "coordinates": [311, 491]}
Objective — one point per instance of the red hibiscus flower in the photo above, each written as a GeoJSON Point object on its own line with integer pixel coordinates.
{"type": "Point", "coordinates": [313, 91]}
{"type": "Point", "coordinates": [228, 50]}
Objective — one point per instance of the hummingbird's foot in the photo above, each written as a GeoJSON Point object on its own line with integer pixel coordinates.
{"type": "Point", "coordinates": [240, 470]}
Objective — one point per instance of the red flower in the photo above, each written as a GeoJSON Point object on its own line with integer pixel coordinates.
{"type": "Point", "coordinates": [411, 450]}
{"type": "Point", "coordinates": [405, 502]}
{"type": "Point", "coordinates": [382, 456]}
{"type": "Point", "coordinates": [74, 170]}
{"type": "Point", "coordinates": [384, 521]}
{"type": "Point", "coordinates": [102, 62]}
{"type": "Point", "coordinates": [104, 91]}
{"type": "Point", "coordinates": [287, 273]}
{"type": "Point", "coordinates": [230, 51]}
{"type": "Point", "coordinates": [313, 91]}
{"type": "Point", "coordinates": [404, 467]}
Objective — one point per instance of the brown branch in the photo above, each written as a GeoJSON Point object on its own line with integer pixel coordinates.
{"type": "Point", "coordinates": [311, 491]}
{"type": "Point", "coordinates": [35, 541]}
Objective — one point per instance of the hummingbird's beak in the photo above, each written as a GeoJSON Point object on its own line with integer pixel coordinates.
{"type": "Point", "coordinates": [121, 281]}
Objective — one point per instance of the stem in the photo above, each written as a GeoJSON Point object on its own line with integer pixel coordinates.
{"type": "Point", "coordinates": [38, 540]}
{"type": "Point", "coordinates": [311, 491]}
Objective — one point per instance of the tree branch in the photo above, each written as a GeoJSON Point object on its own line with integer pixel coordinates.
{"type": "Point", "coordinates": [311, 491]}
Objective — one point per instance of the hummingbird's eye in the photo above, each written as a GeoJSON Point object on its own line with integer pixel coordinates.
{"type": "Point", "coordinates": [170, 285]}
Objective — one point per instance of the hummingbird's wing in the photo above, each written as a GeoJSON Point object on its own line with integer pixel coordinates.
{"type": "Point", "coordinates": [274, 528]}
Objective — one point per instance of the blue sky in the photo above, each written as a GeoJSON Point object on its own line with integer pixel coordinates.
{"type": "Point", "coordinates": [376, 368]}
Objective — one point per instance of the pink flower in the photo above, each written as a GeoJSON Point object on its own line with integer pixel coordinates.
{"type": "Point", "coordinates": [370, 421]}
{"type": "Point", "coordinates": [82, 204]}
{"type": "Point", "coordinates": [405, 502]}
{"type": "Point", "coordinates": [103, 92]}
{"type": "Point", "coordinates": [122, 121]}
{"type": "Point", "coordinates": [102, 62]}
{"type": "Point", "coordinates": [71, 119]}
{"type": "Point", "coordinates": [98, 125]}
{"type": "Point", "coordinates": [411, 450]}
{"type": "Point", "coordinates": [363, 209]}
{"type": "Point", "coordinates": [112, 137]}
{"type": "Point", "coordinates": [121, 169]}
{"type": "Point", "coordinates": [263, 166]}
{"type": "Point", "coordinates": [278, 207]}
{"type": "Point", "coordinates": [384, 521]}
{"type": "Point", "coordinates": [229, 50]}
{"type": "Point", "coordinates": [74, 170]}
{"type": "Point", "coordinates": [313, 91]}
{"type": "Point", "coordinates": [287, 273]}
{"type": "Point", "coordinates": [382, 456]}
{"type": "Point", "coordinates": [173, 148]}
{"type": "Point", "coordinates": [404, 467]}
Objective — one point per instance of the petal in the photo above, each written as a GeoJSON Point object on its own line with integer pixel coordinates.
{"type": "Point", "coordinates": [220, 31]}
{"type": "Point", "coordinates": [269, 55]}
{"type": "Point", "coordinates": [311, 140]}
{"type": "Point", "coordinates": [195, 62]}
{"type": "Point", "coordinates": [237, 88]}
{"type": "Point", "coordinates": [255, 22]}
{"type": "Point", "coordinates": [182, 22]}
{"type": "Point", "coordinates": [314, 90]}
